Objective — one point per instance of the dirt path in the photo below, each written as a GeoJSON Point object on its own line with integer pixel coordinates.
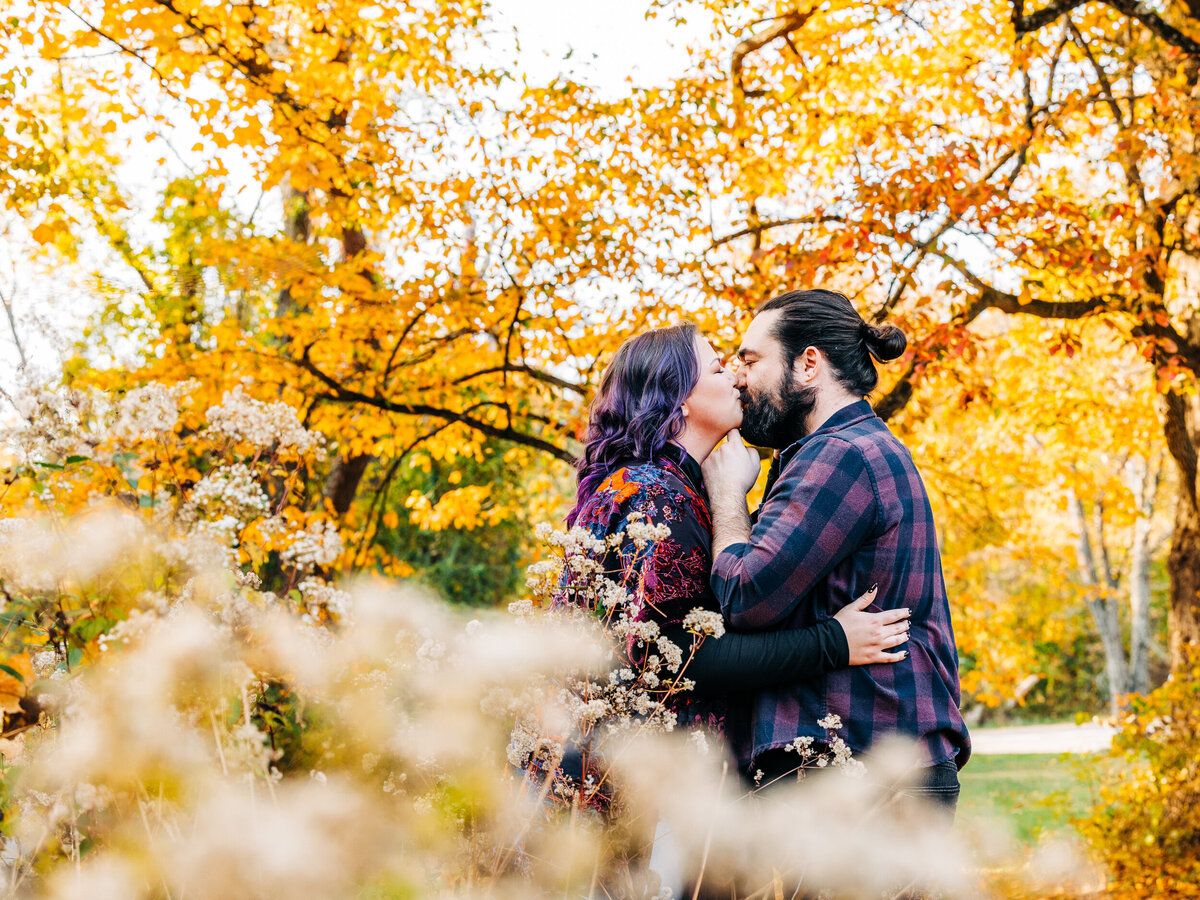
{"type": "Point", "coordinates": [1064, 738]}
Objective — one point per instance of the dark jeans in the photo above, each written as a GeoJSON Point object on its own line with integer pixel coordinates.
{"type": "Point", "coordinates": [938, 784]}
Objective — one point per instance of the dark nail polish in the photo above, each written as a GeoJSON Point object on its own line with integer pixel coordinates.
{"type": "Point", "coordinates": [873, 587]}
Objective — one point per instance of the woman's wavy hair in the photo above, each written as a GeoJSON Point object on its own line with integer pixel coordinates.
{"type": "Point", "coordinates": [638, 406]}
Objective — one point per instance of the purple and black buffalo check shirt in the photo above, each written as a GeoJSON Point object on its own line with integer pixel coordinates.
{"type": "Point", "coordinates": [848, 509]}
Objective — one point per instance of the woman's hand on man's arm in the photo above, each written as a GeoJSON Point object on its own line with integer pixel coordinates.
{"type": "Point", "coordinates": [870, 635]}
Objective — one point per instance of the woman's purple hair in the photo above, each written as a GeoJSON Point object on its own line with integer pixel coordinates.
{"type": "Point", "coordinates": [638, 406]}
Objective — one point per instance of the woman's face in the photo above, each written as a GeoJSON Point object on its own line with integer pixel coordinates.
{"type": "Point", "coordinates": [714, 406]}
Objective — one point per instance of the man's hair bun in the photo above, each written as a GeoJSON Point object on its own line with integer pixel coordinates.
{"type": "Point", "coordinates": [885, 341]}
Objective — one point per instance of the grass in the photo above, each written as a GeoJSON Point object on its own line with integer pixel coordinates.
{"type": "Point", "coordinates": [1036, 794]}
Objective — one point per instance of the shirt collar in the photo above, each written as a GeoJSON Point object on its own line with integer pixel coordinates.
{"type": "Point", "coordinates": [843, 418]}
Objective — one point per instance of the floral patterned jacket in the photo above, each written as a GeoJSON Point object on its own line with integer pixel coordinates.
{"type": "Point", "coordinates": [669, 576]}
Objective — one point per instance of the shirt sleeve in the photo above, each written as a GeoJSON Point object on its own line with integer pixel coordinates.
{"type": "Point", "coordinates": [766, 659]}
{"type": "Point", "coordinates": [822, 508]}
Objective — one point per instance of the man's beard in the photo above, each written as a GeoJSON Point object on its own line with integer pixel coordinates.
{"type": "Point", "coordinates": [777, 420]}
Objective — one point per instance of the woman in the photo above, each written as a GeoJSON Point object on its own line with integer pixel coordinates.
{"type": "Point", "coordinates": [664, 402]}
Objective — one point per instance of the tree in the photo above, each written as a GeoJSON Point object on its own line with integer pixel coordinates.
{"type": "Point", "coordinates": [937, 160]}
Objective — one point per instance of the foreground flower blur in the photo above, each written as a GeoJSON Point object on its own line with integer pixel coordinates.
{"type": "Point", "coordinates": [172, 728]}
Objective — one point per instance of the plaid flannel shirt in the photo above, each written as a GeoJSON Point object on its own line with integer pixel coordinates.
{"type": "Point", "coordinates": [847, 510]}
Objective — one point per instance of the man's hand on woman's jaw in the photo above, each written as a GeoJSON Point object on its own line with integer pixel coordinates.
{"type": "Point", "coordinates": [729, 473]}
{"type": "Point", "coordinates": [733, 465]}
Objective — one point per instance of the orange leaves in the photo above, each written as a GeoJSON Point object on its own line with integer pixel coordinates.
{"type": "Point", "coordinates": [17, 672]}
{"type": "Point", "coordinates": [1064, 342]}
{"type": "Point", "coordinates": [1005, 437]}
{"type": "Point", "coordinates": [465, 508]}
{"type": "Point", "coordinates": [48, 232]}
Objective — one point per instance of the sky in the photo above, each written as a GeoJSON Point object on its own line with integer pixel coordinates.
{"type": "Point", "coordinates": [609, 41]}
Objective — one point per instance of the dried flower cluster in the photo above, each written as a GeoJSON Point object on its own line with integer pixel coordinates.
{"type": "Point", "coordinates": [146, 413]}
{"type": "Point", "coordinates": [221, 503]}
{"type": "Point", "coordinates": [317, 545]}
{"type": "Point", "coordinates": [638, 691]}
{"type": "Point", "coordinates": [56, 425]}
{"type": "Point", "coordinates": [233, 491]}
{"type": "Point", "coordinates": [243, 419]}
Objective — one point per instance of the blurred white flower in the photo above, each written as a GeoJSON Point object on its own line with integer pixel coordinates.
{"type": "Point", "coordinates": [319, 595]}
{"type": "Point", "coordinates": [521, 608]}
{"type": "Point", "coordinates": [145, 413]}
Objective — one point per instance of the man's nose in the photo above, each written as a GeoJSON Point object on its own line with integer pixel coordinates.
{"type": "Point", "coordinates": [739, 378]}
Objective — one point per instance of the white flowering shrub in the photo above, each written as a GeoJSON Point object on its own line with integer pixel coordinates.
{"type": "Point", "coordinates": [146, 413]}
{"type": "Point", "coordinates": [232, 490]}
{"type": "Point", "coordinates": [231, 479]}
{"type": "Point", "coordinates": [226, 743]}
{"type": "Point", "coordinates": [224, 746]}
{"type": "Point", "coordinates": [315, 546]}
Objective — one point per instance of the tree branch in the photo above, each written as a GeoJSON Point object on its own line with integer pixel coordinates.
{"type": "Point", "coordinates": [1135, 9]}
{"type": "Point", "coordinates": [1169, 342]}
{"type": "Point", "coordinates": [906, 280]}
{"type": "Point", "coordinates": [783, 27]}
{"type": "Point", "coordinates": [1156, 25]}
{"type": "Point", "coordinates": [1026, 24]}
{"type": "Point", "coordinates": [992, 298]}
{"type": "Point", "coordinates": [759, 227]}
{"type": "Point", "coordinates": [1101, 76]}
{"type": "Point", "coordinates": [379, 504]}
{"type": "Point", "coordinates": [523, 368]}
{"type": "Point", "coordinates": [900, 394]}
{"type": "Point", "coordinates": [989, 297]}
{"type": "Point", "coordinates": [7, 303]}
{"type": "Point", "coordinates": [340, 394]}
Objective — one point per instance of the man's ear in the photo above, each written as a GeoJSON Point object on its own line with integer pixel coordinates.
{"type": "Point", "coordinates": [806, 365]}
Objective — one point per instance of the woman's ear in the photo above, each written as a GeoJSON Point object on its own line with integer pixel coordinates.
{"type": "Point", "coordinates": [683, 408]}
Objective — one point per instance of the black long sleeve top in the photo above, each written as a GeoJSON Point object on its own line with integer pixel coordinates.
{"type": "Point", "coordinates": [750, 662]}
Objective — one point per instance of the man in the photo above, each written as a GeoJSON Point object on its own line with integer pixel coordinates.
{"type": "Point", "coordinates": [845, 509]}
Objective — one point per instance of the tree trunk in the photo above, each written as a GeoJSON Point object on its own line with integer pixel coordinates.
{"type": "Point", "coordinates": [1145, 481]}
{"type": "Point", "coordinates": [341, 485]}
{"type": "Point", "coordinates": [1181, 418]}
{"type": "Point", "coordinates": [297, 226]}
{"type": "Point", "coordinates": [1104, 609]}
{"type": "Point", "coordinates": [1184, 566]}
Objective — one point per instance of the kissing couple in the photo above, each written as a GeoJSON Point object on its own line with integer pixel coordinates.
{"type": "Point", "coordinates": [835, 609]}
